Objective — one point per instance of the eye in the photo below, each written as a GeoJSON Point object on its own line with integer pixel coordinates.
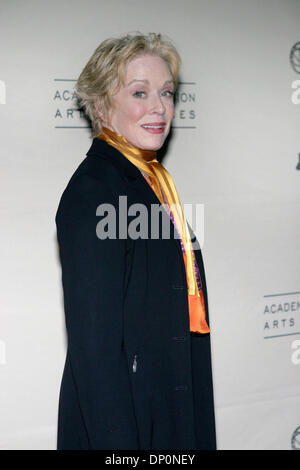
{"type": "Point", "coordinates": [139, 94]}
{"type": "Point", "coordinates": [168, 93]}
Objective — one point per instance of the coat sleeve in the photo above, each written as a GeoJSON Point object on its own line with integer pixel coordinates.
{"type": "Point", "coordinates": [93, 271]}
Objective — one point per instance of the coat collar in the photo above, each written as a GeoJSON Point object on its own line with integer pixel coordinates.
{"type": "Point", "coordinates": [103, 150]}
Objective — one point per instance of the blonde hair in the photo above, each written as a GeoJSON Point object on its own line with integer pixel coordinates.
{"type": "Point", "coordinates": [105, 71]}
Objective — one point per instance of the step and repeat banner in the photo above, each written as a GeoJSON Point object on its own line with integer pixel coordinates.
{"type": "Point", "coordinates": [235, 148]}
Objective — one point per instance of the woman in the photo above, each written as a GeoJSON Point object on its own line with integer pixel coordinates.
{"type": "Point", "coordinates": [138, 366]}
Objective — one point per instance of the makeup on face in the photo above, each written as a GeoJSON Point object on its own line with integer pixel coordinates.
{"type": "Point", "coordinates": [144, 107]}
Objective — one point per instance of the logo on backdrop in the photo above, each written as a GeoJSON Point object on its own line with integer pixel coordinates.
{"type": "Point", "coordinates": [281, 315]}
{"type": "Point", "coordinates": [295, 57]}
{"type": "Point", "coordinates": [185, 102]}
{"type": "Point", "coordinates": [295, 441]}
{"type": "Point", "coordinates": [68, 115]}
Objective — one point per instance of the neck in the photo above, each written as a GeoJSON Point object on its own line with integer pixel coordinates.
{"type": "Point", "coordinates": [125, 147]}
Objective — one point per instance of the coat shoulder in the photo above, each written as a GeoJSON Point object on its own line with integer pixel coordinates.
{"type": "Point", "coordinates": [93, 180]}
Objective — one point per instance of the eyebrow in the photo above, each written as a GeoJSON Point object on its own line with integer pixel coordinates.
{"type": "Point", "coordinates": [147, 81]}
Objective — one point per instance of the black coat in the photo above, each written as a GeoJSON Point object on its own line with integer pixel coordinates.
{"type": "Point", "coordinates": [134, 377]}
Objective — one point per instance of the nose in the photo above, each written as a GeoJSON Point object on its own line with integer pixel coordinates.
{"type": "Point", "coordinates": [158, 105]}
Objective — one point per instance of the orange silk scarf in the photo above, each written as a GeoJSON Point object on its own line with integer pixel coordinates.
{"type": "Point", "coordinates": [163, 186]}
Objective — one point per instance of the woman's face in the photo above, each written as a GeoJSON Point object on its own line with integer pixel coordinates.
{"type": "Point", "coordinates": [143, 109]}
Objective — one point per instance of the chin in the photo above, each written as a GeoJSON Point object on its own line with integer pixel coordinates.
{"type": "Point", "coordinates": [153, 144]}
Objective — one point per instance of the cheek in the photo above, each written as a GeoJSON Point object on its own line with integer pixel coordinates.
{"type": "Point", "coordinates": [127, 113]}
{"type": "Point", "coordinates": [170, 111]}
{"type": "Point", "coordinates": [136, 111]}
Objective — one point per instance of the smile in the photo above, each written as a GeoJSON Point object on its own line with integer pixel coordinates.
{"type": "Point", "coordinates": [155, 128]}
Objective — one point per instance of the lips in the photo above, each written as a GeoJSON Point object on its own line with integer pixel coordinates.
{"type": "Point", "coordinates": [154, 127]}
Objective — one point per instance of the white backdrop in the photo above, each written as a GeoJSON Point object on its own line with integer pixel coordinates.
{"type": "Point", "coordinates": [235, 149]}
